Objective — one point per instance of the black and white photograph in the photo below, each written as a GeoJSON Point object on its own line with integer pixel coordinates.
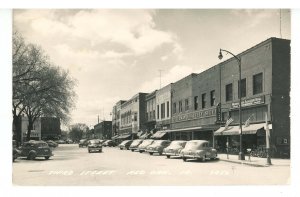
{"type": "Point", "coordinates": [150, 97]}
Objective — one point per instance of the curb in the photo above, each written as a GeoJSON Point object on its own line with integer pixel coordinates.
{"type": "Point", "coordinates": [245, 163]}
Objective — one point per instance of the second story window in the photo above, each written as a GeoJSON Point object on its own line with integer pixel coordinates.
{"type": "Point", "coordinates": [174, 108]}
{"type": "Point", "coordinates": [168, 109]}
{"type": "Point", "coordinates": [243, 88]}
{"type": "Point", "coordinates": [203, 100]}
{"type": "Point", "coordinates": [196, 103]}
{"type": "Point", "coordinates": [229, 92]}
{"type": "Point", "coordinates": [187, 107]}
{"type": "Point", "coordinates": [162, 109]}
{"type": "Point", "coordinates": [157, 111]}
{"type": "Point", "coordinates": [180, 106]}
{"type": "Point", "coordinates": [257, 83]}
{"type": "Point", "coordinates": [212, 98]}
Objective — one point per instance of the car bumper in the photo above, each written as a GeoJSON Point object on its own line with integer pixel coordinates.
{"type": "Point", "coordinates": [193, 156]}
{"type": "Point", "coordinates": [171, 154]}
{"type": "Point", "coordinates": [94, 148]}
{"type": "Point", "coordinates": [151, 151]}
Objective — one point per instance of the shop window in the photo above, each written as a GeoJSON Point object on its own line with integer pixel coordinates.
{"type": "Point", "coordinates": [229, 92]}
{"type": "Point", "coordinates": [203, 101]}
{"type": "Point", "coordinates": [212, 98]}
{"type": "Point", "coordinates": [257, 83]}
{"type": "Point", "coordinates": [243, 88]}
{"type": "Point", "coordinates": [196, 103]}
{"type": "Point", "coordinates": [187, 107]}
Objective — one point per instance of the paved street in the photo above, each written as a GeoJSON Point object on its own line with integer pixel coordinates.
{"type": "Point", "coordinates": [71, 165]}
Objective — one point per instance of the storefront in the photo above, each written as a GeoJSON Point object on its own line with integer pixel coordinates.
{"type": "Point", "coordinates": [254, 137]}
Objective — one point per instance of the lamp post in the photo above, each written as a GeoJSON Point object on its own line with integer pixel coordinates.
{"type": "Point", "coordinates": [241, 153]}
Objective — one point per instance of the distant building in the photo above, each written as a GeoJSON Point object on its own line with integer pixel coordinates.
{"type": "Point", "coordinates": [50, 128]}
{"type": "Point", "coordinates": [150, 111]}
{"type": "Point", "coordinates": [116, 117]}
{"type": "Point", "coordinates": [103, 130]}
{"type": "Point", "coordinates": [133, 115]}
{"type": "Point", "coordinates": [163, 106]}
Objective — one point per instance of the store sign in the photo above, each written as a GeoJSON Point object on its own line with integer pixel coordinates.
{"type": "Point", "coordinates": [195, 115]}
{"type": "Point", "coordinates": [249, 102]}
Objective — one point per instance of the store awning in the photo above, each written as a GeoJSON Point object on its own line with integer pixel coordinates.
{"type": "Point", "coordinates": [145, 136]}
{"type": "Point", "coordinates": [235, 130]}
{"type": "Point", "coordinates": [124, 136]}
{"type": "Point", "coordinates": [203, 128]}
{"type": "Point", "coordinates": [140, 133]}
{"type": "Point", "coordinates": [158, 134]}
{"type": "Point", "coordinates": [115, 137]}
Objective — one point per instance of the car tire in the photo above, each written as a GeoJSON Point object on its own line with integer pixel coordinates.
{"type": "Point", "coordinates": [127, 148]}
{"type": "Point", "coordinates": [31, 156]}
{"type": "Point", "coordinates": [184, 159]}
{"type": "Point", "coordinates": [89, 151]}
{"type": "Point", "coordinates": [100, 151]}
{"type": "Point", "coordinates": [168, 156]}
{"type": "Point", "coordinates": [160, 153]}
{"type": "Point", "coordinates": [151, 153]}
{"type": "Point", "coordinates": [131, 150]}
{"type": "Point", "coordinates": [203, 159]}
{"type": "Point", "coordinates": [140, 151]}
{"type": "Point", "coordinates": [47, 157]}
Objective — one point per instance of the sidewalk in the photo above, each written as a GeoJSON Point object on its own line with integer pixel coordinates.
{"type": "Point", "coordinates": [254, 161]}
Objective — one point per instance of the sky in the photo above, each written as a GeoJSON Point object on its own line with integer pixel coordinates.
{"type": "Point", "coordinates": [115, 53]}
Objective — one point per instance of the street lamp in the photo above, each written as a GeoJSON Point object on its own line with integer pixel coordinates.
{"type": "Point", "coordinates": [241, 154]}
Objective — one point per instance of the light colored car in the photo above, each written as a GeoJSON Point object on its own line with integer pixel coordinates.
{"type": "Point", "coordinates": [198, 149]}
{"type": "Point", "coordinates": [125, 144]}
{"type": "Point", "coordinates": [134, 145]}
{"type": "Point", "coordinates": [94, 145]}
{"type": "Point", "coordinates": [142, 147]}
{"type": "Point", "coordinates": [157, 146]}
{"type": "Point", "coordinates": [174, 148]}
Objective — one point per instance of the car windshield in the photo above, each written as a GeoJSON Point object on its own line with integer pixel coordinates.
{"type": "Point", "coordinates": [124, 142]}
{"type": "Point", "coordinates": [81, 141]}
{"type": "Point", "coordinates": [193, 145]}
{"type": "Point", "coordinates": [157, 143]}
{"type": "Point", "coordinates": [94, 142]}
{"type": "Point", "coordinates": [147, 142]}
{"type": "Point", "coordinates": [177, 144]}
{"type": "Point", "coordinates": [42, 145]}
{"type": "Point", "coordinates": [136, 142]}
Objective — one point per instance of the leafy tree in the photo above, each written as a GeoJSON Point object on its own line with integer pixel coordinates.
{"type": "Point", "coordinates": [39, 87]}
{"type": "Point", "coordinates": [78, 131]}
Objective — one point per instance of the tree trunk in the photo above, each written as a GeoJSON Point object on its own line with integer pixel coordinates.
{"type": "Point", "coordinates": [29, 128]}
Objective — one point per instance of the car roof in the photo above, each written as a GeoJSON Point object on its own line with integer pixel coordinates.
{"type": "Point", "coordinates": [199, 141]}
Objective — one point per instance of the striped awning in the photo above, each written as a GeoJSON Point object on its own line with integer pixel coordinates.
{"type": "Point", "coordinates": [158, 135]}
{"type": "Point", "coordinates": [235, 130]}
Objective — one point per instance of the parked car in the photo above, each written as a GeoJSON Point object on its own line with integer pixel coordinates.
{"type": "Point", "coordinates": [94, 145]}
{"type": "Point", "coordinates": [198, 149]}
{"type": "Point", "coordinates": [83, 143]}
{"type": "Point", "coordinates": [157, 146]}
{"type": "Point", "coordinates": [142, 147]}
{"type": "Point", "coordinates": [51, 143]}
{"type": "Point", "coordinates": [125, 144]}
{"type": "Point", "coordinates": [109, 143]}
{"type": "Point", "coordinates": [69, 141]}
{"type": "Point", "coordinates": [134, 145]}
{"type": "Point", "coordinates": [60, 141]}
{"type": "Point", "coordinates": [15, 152]}
{"type": "Point", "coordinates": [33, 149]}
{"type": "Point", "coordinates": [174, 148]}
